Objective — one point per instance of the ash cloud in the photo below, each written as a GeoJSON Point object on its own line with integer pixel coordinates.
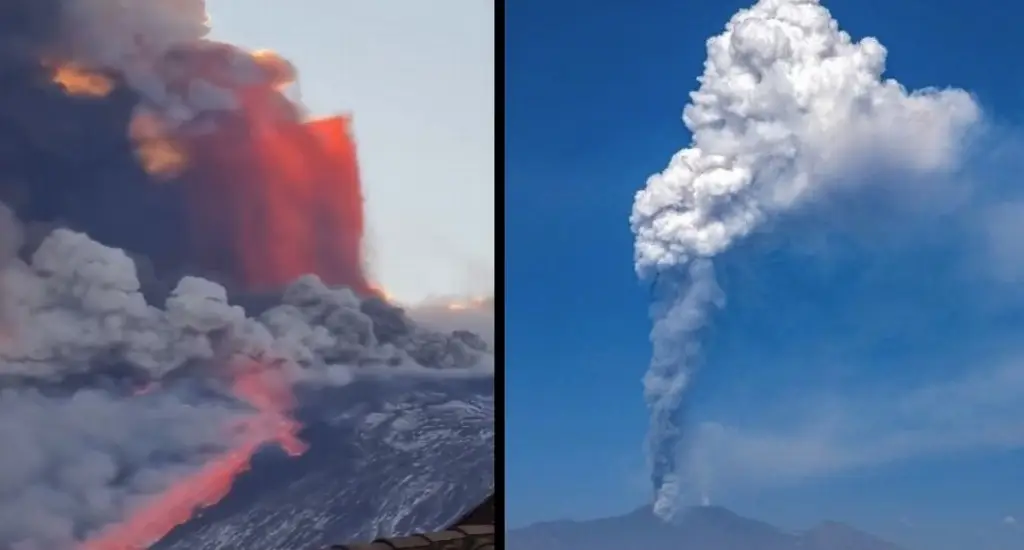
{"type": "Point", "coordinates": [76, 463]}
{"type": "Point", "coordinates": [79, 301]}
{"type": "Point", "coordinates": [790, 111]}
{"type": "Point", "coordinates": [86, 444]}
{"type": "Point", "coordinates": [68, 160]}
{"type": "Point", "coordinates": [475, 315]}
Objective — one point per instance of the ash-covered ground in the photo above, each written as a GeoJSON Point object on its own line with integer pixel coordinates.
{"type": "Point", "coordinates": [115, 411]}
{"type": "Point", "coordinates": [385, 460]}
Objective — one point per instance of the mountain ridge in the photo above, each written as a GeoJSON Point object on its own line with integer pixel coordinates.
{"type": "Point", "coordinates": [697, 528]}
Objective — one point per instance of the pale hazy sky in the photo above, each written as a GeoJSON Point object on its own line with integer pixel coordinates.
{"type": "Point", "coordinates": [418, 78]}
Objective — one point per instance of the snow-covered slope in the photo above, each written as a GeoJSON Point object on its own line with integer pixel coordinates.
{"type": "Point", "coordinates": [387, 458]}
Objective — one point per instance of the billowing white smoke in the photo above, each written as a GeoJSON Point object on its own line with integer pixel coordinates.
{"type": "Point", "coordinates": [76, 458]}
{"type": "Point", "coordinates": [788, 108]}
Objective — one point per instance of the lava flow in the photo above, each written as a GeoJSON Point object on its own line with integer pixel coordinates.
{"type": "Point", "coordinates": [271, 196]}
{"type": "Point", "coordinates": [272, 204]}
{"type": "Point", "coordinates": [270, 396]}
{"type": "Point", "coordinates": [266, 197]}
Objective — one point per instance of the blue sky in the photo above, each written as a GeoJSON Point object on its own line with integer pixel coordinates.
{"type": "Point", "coordinates": [904, 325]}
{"type": "Point", "coordinates": [418, 79]}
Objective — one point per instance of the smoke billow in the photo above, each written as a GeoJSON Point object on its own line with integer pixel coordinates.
{"type": "Point", "coordinates": [475, 315]}
{"type": "Point", "coordinates": [789, 109]}
{"type": "Point", "coordinates": [116, 116]}
{"type": "Point", "coordinates": [88, 459]}
{"type": "Point", "coordinates": [78, 303]}
{"type": "Point", "coordinates": [90, 454]}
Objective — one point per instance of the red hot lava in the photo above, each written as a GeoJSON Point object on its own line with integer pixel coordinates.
{"type": "Point", "coordinates": [269, 394]}
{"type": "Point", "coordinates": [271, 197]}
{"type": "Point", "coordinates": [280, 204]}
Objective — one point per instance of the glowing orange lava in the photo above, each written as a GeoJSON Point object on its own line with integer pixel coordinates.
{"type": "Point", "coordinates": [275, 200]}
{"type": "Point", "coordinates": [78, 81]}
{"type": "Point", "coordinates": [267, 392]}
{"type": "Point", "coordinates": [271, 197]}
{"type": "Point", "coordinates": [158, 151]}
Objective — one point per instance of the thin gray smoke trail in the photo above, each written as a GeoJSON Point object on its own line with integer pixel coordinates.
{"type": "Point", "coordinates": [788, 107]}
{"type": "Point", "coordinates": [673, 359]}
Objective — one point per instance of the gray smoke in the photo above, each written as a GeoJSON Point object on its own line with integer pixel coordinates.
{"type": "Point", "coordinates": [84, 445]}
{"type": "Point", "coordinates": [476, 316]}
{"type": "Point", "coordinates": [75, 463]}
{"type": "Point", "coordinates": [789, 108]}
{"type": "Point", "coordinates": [11, 239]}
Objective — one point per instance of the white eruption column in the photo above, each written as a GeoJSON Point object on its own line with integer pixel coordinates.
{"type": "Point", "coordinates": [788, 107]}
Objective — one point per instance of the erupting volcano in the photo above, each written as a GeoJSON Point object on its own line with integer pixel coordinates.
{"type": "Point", "coordinates": [268, 196]}
{"type": "Point", "coordinates": [296, 205]}
{"type": "Point", "coordinates": [122, 123]}
{"type": "Point", "coordinates": [270, 396]}
{"type": "Point", "coordinates": [236, 182]}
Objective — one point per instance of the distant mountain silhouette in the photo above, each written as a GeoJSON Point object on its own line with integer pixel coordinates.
{"type": "Point", "coordinates": [698, 528]}
{"type": "Point", "coordinates": [832, 535]}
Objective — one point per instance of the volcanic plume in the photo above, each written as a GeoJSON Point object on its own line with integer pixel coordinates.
{"type": "Point", "coordinates": [270, 197]}
{"type": "Point", "coordinates": [121, 123]}
{"type": "Point", "coordinates": [789, 108]}
{"type": "Point", "coordinates": [139, 120]}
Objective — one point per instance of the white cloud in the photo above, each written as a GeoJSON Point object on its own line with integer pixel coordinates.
{"type": "Point", "coordinates": [979, 411]}
{"type": "Point", "coordinates": [1003, 225]}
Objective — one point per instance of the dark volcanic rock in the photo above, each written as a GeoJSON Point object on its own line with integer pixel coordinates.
{"type": "Point", "coordinates": [382, 462]}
